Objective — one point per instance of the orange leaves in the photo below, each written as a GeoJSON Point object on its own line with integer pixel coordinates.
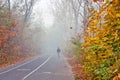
{"type": "Point", "coordinates": [116, 1]}
{"type": "Point", "coordinates": [98, 0]}
{"type": "Point", "coordinates": [76, 67]}
{"type": "Point", "coordinates": [13, 33]}
{"type": "Point", "coordinates": [1, 42]}
{"type": "Point", "coordinates": [117, 77]}
{"type": "Point", "coordinates": [5, 34]}
{"type": "Point", "coordinates": [11, 42]}
{"type": "Point", "coordinates": [14, 23]}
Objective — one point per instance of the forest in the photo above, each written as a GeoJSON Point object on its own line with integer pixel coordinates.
{"type": "Point", "coordinates": [16, 43]}
{"type": "Point", "coordinates": [91, 29]}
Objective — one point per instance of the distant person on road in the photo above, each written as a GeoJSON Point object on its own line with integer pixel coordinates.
{"type": "Point", "coordinates": [58, 51]}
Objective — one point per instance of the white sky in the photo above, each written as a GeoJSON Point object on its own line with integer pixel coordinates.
{"type": "Point", "coordinates": [43, 6]}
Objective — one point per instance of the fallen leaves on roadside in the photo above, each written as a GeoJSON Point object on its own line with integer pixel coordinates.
{"type": "Point", "coordinates": [76, 67]}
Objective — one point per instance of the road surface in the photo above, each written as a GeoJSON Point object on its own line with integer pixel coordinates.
{"type": "Point", "coordinates": [44, 67]}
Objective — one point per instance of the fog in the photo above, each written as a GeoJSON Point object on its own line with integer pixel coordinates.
{"type": "Point", "coordinates": [48, 42]}
{"type": "Point", "coordinates": [53, 32]}
{"type": "Point", "coordinates": [46, 36]}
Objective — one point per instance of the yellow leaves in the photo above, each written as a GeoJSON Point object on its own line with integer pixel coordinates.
{"type": "Point", "coordinates": [118, 15]}
{"type": "Point", "coordinates": [110, 14]}
{"type": "Point", "coordinates": [115, 34]}
{"type": "Point", "coordinates": [88, 57]}
{"type": "Point", "coordinates": [102, 42]}
{"type": "Point", "coordinates": [95, 40]}
{"type": "Point", "coordinates": [105, 39]}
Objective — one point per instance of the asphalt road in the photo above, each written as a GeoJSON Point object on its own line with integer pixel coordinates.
{"type": "Point", "coordinates": [44, 67]}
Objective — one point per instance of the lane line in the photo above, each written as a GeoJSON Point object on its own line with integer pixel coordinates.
{"type": "Point", "coordinates": [19, 66]}
{"type": "Point", "coordinates": [37, 68]}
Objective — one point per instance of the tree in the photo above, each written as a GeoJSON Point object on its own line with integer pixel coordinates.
{"type": "Point", "coordinates": [101, 46]}
{"type": "Point", "coordinates": [15, 37]}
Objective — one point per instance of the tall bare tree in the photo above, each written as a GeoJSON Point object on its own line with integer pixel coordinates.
{"type": "Point", "coordinates": [75, 12]}
{"type": "Point", "coordinates": [9, 4]}
{"type": "Point", "coordinates": [28, 8]}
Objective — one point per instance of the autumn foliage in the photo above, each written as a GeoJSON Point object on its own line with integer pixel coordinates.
{"type": "Point", "coordinates": [101, 48]}
{"type": "Point", "coordinates": [98, 0]}
{"type": "Point", "coordinates": [12, 45]}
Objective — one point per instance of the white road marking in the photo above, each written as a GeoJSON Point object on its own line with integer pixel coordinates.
{"type": "Point", "coordinates": [59, 74]}
{"type": "Point", "coordinates": [18, 66]}
{"type": "Point", "coordinates": [37, 68]}
{"type": "Point", "coordinates": [47, 72]}
{"type": "Point", "coordinates": [23, 69]}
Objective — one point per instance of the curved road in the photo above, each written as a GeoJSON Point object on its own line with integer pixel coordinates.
{"type": "Point", "coordinates": [44, 67]}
